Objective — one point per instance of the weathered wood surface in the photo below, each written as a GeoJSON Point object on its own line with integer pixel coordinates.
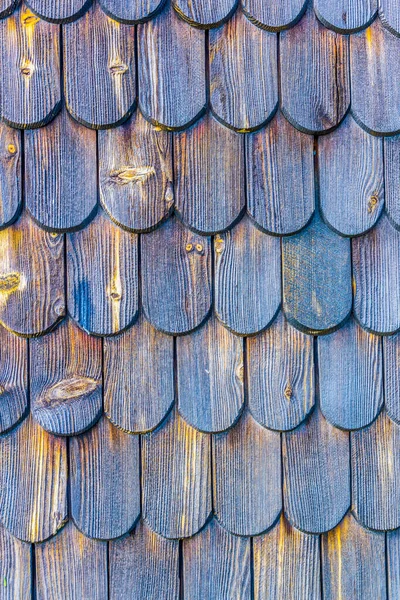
{"type": "Point", "coordinates": [389, 12]}
{"type": "Point", "coordinates": [70, 565]}
{"type": "Point", "coordinates": [102, 266]}
{"type": "Point", "coordinates": [274, 16]}
{"type": "Point", "coordinates": [376, 278]}
{"type": "Point", "coordinates": [280, 177]}
{"type": "Point", "coordinates": [172, 83]}
{"type": "Point", "coordinates": [316, 270]}
{"type": "Point", "coordinates": [205, 13]}
{"type": "Point", "coordinates": [99, 70]}
{"type": "Point", "coordinates": [353, 562]}
{"type": "Point", "coordinates": [7, 7]}
{"type": "Point", "coordinates": [393, 563]}
{"type": "Point", "coordinates": [30, 74]}
{"type": "Point", "coordinates": [210, 377]}
{"type": "Point", "coordinates": [350, 178]}
{"type": "Point", "coordinates": [60, 174]}
{"type": "Point", "coordinates": [391, 149]}
{"type": "Point", "coordinates": [16, 560]}
{"type": "Point", "coordinates": [176, 277]}
{"type": "Point", "coordinates": [280, 370]}
{"type": "Point", "coordinates": [314, 75]}
{"type": "Point", "coordinates": [31, 278]}
{"type": "Point", "coordinates": [209, 176]}
{"type": "Point", "coordinates": [33, 482]}
{"type": "Point", "coordinates": [65, 380]}
{"type": "Point", "coordinates": [375, 474]}
{"type": "Point", "coordinates": [135, 172]}
{"type": "Point", "coordinates": [375, 82]}
{"type": "Point", "coordinates": [138, 377]}
{"type": "Point", "coordinates": [316, 461]}
{"type": "Point", "coordinates": [247, 477]}
{"type": "Point", "coordinates": [350, 376]}
{"type": "Point", "coordinates": [216, 564]}
{"type": "Point", "coordinates": [105, 481]}
{"type": "Point", "coordinates": [131, 12]}
{"type": "Point", "coordinates": [247, 278]}
{"type": "Point", "coordinates": [345, 16]}
{"type": "Point", "coordinates": [286, 564]}
{"type": "Point", "coordinates": [13, 379]}
{"type": "Point", "coordinates": [176, 467]}
{"type": "Point", "coordinates": [391, 361]}
{"type": "Point", "coordinates": [10, 175]}
{"type": "Point", "coordinates": [243, 74]}
{"type": "Point", "coordinates": [59, 12]}
{"type": "Point", "coordinates": [144, 565]}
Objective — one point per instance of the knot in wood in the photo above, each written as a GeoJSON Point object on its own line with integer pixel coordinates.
{"type": "Point", "coordinates": [10, 282]}
{"type": "Point", "coordinates": [219, 245]}
{"type": "Point", "coordinates": [169, 195]}
{"type": "Point", "coordinates": [189, 247]}
{"type": "Point", "coordinates": [2, 389]}
{"type": "Point", "coordinates": [118, 68]}
{"type": "Point", "coordinates": [126, 175]}
{"type": "Point", "coordinates": [288, 391]}
{"type": "Point", "coordinates": [12, 149]}
{"type": "Point", "coordinates": [115, 295]}
{"type": "Point", "coordinates": [27, 69]}
{"type": "Point", "coordinates": [199, 248]}
{"type": "Point", "coordinates": [373, 201]}
{"type": "Point", "coordinates": [69, 389]}
{"type": "Point", "coordinates": [59, 307]}
{"type": "Point", "coordinates": [28, 18]}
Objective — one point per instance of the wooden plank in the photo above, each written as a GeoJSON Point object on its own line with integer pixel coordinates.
{"type": "Point", "coordinates": [138, 377]}
{"type": "Point", "coordinates": [29, 48]}
{"type": "Point", "coordinates": [389, 13]}
{"type": "Point", "coordinates": [353, 562]}
{"type": "Point", "coordinates": [274, 16]}
{"type": "Point", "coordinates": [216, 564]}
{"type": "Point", "coordinates": [7, 7]}
{"type": "Point", "coordinates": [10, 175]}
{"type": "Point", "coordinates": [31, 278]}
{"type": "Point", "coordinates": [286, 564]}
{"type": "Point", "coordinates": [316, 278]}
{"type": "Point", "coordinates": [314, 75]}
{"type": "Point", "coordinates": [99, 70]}
{"type": "Point", "coordinates": [376, 275]}
{"type": "Point", "coordinates": [13, 379]}
{"type": "Point", "coordinates": [59, 12]}
{"type": "Point", "coordinates": [280, 177]}
{"type": "Point", "coordinates": [375, 84]}
{"type": "Point", "coordinates": [350, 376]}
{"type": "Point", "coordinates": [104, 480]}
{"type": "Point", "coordinates": [316, 460]}
{"type": "Point", "coordinates": [210, 377]}
{"type": "Point", "coordinates": [247, 477]}
{"type": "Point", "coordinates": [391, 149]}
{"type": "Point", "coordinates": [176, 468]}
{"type": "Point", "coordinates": [205, 13]}
{"type": "Point", "coordinates": [350, 178]}
{"type": "Point", "coordinates": [70, 565]}
{"type": "Point", "coordinates": [176, 278]}
{"type": "Point", "coordinates": [33, 482]}
{"type": "Point", "coordinates": [172, 84]}
{"type": "Point", "coordinates": [393, 563]}
{"type": "Point", "coordinates": [391, 362]}
{"type": "Point", "coordinates": [209, 176]}
{"type": "Point", "coordinates": [280, 371]}
{"type": "Point", "coordinates": [346, 16]}
{"type": "Point", "coordinates": [375, 453]}
{"type": "Point", "coordinates": [243, 74]}
{"type": "Point", "coordinates": [131, 12]}
{"type": "Point", "coordinates": [102, 263]}
{"type": "Point", "coordinates": [247, 278]}
{"type": "Point", "coordinates": [16, 557]}
{"type": "Point", "coordinates": [135, 171]}
{"type": "Point", "coordinates": [65, 380]}
{"type": "Point", "coordinates": [144, 565]}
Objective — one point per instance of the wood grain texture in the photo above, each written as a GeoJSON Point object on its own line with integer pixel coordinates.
{"type": "Point", "coordinates": [176, 277]}
{"type": "Point", "coordinates": [375, 83]}
{"type": "Point", "coordinates": [60, 174]}
{"type": "Point", "coordinates": [391, 361]}
{"type": "Point", "coordinates": [16, 557]}
{"type": "Point", "coordinates": [209, 176]}
{"type": "Point", "coordinates": [280, 177]}
{"type": "Point", "coordinates": [99, 69]}
{"type": "Point", "coordinates": [353, 562]}
{"type": "Point", "coordinates": [138, 377]}
{"type": "Point", "coordinates": [375, 474]}
{"type": "Point", "coordinates": [176, 469]}
{"type": "Point", "coordinates": [205, 13]}
{"type": "Point", "coordinates": [247, 477]}
{"type": "Point", "coordinates": [10, 175]}
{"type": "Point", "coordinates": [274, 16]}
{"type": "Point", "coordinates": [350, 376]}
{"type": "Point", "coordinates": [65, 380]}
{"type": "Point", "coordinates": [210, 377]}
{"type": "Point", "coordinates": [172, 83]}
{"type": "Point", "coordinates": [13, 379]}
{"type": "Point", "coordinates": [59, 12]}
{"type": "Point", "coordinates": [393, 563]}
{"type": "Point", "coordinates": [105, 482]}
{"type": "Point", "coordinates": [144, 565]}
{"type": "Point", "coordinates": [31, 278]}
{"type": "Point", "coordinates": [243, 74]}
{"type": "Point", "coordinates": [286, 564]}
{"type": "Point", "coordinates": [389, 12]}
{"type": "Point", "coordinates": [350, 178]}
{"type": "Point", "coordinates": [316, 461]}
{"type": "Point", "coordinates": [131, 12]}
{"type": "Point", "coordinates": [314, 75]}
{"type": "Point", "coordinates": [376, 278]}
{"type": "Point", "coordinates": [216, 564]}
{"type": "Point", "coordinates": [346, 16]}
{"type": "Point", "coordinates": [316, 271]}
{"type": "Point", "coordinates": [30, 73]}
{"type": "Point", "coordinates": [102, 265]}
{"type": "Point", "coordinates": [7, 7]}
{"type": "Point", "coordinates": [70, 565]}
{"type": "Point", "coordinates": [135, 173]}
{"type": "Point", "coordinates": [247, 278]}
{"type": "Point", "coordinates": [280, 371]}
{"type": "Point", "coordinates": [391, 149]}
{"type": "Point", "coordinates": [33, 482]}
